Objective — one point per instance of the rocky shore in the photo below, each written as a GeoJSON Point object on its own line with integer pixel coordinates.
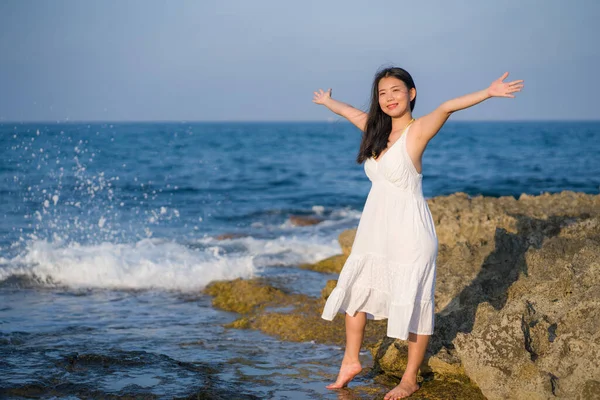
{"type": "Point", "coordinates": [517, 302]}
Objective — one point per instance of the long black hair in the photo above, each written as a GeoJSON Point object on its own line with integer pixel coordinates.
{"type": "Point", "coordinates": [379, 124]}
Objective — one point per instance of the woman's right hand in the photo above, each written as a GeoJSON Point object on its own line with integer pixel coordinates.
{"type": "Point", "coordinates": [321, 97]}
{"type": "Point", "coordinates": [357, 117]}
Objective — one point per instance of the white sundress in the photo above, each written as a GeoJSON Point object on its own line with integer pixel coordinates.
{"type": "Point", "coordinates": [390, 272]}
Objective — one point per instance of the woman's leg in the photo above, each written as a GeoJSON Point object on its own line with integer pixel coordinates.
{"type": "Point", "coordinates": [417, 345]}
{"type": "Point", "coordinates": [355, 331]}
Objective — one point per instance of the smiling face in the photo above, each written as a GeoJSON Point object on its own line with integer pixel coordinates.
{"type": "Point", "coordinates": [394, 96]}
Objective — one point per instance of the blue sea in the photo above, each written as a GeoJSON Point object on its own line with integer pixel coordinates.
{"type": "Point", "coordinates": [109, 232]}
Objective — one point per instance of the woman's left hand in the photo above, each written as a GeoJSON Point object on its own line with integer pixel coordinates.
{"type": "Point", "coordinates": [504, 89]}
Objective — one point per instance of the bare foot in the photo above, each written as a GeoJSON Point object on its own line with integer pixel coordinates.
{"type": "Point", "coordinates": [347, 372]}
{"type": "Point", "coordinates": [404, 389]}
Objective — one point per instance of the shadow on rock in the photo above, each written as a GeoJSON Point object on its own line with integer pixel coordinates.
{"type": "Point", "coordinates": [499, 271]}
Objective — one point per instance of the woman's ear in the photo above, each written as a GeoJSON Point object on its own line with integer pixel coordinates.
{"type": "Point", "coordinates": [412, 93]}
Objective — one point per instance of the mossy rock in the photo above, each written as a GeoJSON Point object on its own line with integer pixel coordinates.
{"type": "Point", "coordinates": [241, 323]}
{"type": "Point", "coordinates": [346, 240]}
{"type": "Point", "coordinates": [331, 265]}
{"type": "Point", "coordinates": [242, 296]}
{"type": "Point", "coordinates": [329, 286]}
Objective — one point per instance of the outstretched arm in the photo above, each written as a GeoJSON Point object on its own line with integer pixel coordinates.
{"type": "Point", "coordinates": [430, 124]}
{"type": "Point", "coordinates": [357, 117]}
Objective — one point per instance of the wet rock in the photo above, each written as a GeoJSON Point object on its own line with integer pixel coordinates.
{"type": "Point", "coordinates": [303, 220]}
{"type": "Point", "coordinates": [226, 236]}
{"type": "Point", "coordinates": [329, 286]}
{"type": "Point", "coordinates": [391, 358]}
{"type": "Point", "coordinates": [305, 324]}
{"type": "Point", "coordinates": [329, 265]}
{"type": "Point", "coordinates": [212, 394]}
{"type": "Point", "coordinates": [430, 390]}
{"type": "Point", "coordinates": [242, 323]}
{"type": "Point", "coordinates": [207, 381]}
{"type": "Point", "coordinates": [346, 240]}
{"type": "Point", "coordinates": [243, 296]}
{"type": "Point", "coordinates": [300, 322]}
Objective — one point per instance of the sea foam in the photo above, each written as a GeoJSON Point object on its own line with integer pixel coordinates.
{"type": "Point", "coordinates": [158, 263]}
{"type": "Point", "coordinates": [146, 264]}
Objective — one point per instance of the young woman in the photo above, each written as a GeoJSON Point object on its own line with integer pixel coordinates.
{"type": "Point", "coordinates": [390, 272]}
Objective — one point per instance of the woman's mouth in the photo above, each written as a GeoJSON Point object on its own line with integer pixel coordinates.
{"type": "Point", "coordinates": [392, 106]}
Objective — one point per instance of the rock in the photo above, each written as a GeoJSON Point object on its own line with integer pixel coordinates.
{"type": "Point", "coordinates": [209, 384]}
{"type": "Point", "coordinates": [544, 340]}
{"type": "Point", "coordinates": [302, 220]}
{"type": "Point", "coordinates": [346, 240]}
{"type": "Point", "coordinates": [242, 296]}
{"type": "Point", "coordinates": [391, 356]}
{"type": "Point", "coordinates": [590, 390]}
{"type": "Point", "coordinates": [300, 321]}
{"type": "Point", "coordinates": [329, 265]}
{"type": "Point", "coordinates": [242, 323]}
{"type": "Point", "coordinates": [226, 236]}
{"type": "Point", "coordinates": [460, 218]}
{"type": "Point", "coordinates": [329, 286]}
{"type": "Point", "coordinates": [430, 389]}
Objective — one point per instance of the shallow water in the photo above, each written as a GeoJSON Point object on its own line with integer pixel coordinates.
{"type": "Point", "coordinates": [132, 342]}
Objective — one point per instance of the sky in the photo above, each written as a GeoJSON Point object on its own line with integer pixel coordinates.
{"type": "Point", "coordinates": [261, 60]}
